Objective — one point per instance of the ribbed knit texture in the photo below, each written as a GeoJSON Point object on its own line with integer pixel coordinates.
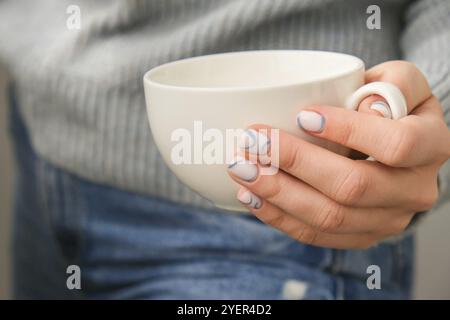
{"type": "Point", "coordinates": [80, 91]}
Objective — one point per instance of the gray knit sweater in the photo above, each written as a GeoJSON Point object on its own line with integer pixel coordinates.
{"type": "Point", "coordinates": [80, 91]}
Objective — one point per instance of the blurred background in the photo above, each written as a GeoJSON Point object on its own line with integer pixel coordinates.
{"type": "Point", "coordinates": [433, 258]}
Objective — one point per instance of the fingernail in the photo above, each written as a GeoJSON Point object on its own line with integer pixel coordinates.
{"type": "Point", "coordinates": [243, 169]}
{"type": "Point", "coordinates": [254, 142]}
{"type": "Point", "coordinates": [382, 108]}
{"type": "Point", "coordinates": [310, 121]}
{"type": "Point", "coordinates": [249, 199]}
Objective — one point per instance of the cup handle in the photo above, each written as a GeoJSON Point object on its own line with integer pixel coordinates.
{"type": "Point", "coordinates": [394, 97]}
{"type": "Point", "coordinates": [392, 94]}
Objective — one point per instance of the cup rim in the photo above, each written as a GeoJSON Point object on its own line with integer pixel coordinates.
{"type": "Point", "coordinates": [359, 64]}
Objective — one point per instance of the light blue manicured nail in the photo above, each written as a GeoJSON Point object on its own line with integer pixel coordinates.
{"type": "Point", "coordinates": [310, 121]}
{"type": "Point", "coordinates": [250, 199]}
{"type": "Point", "coordinates": [243, 169]}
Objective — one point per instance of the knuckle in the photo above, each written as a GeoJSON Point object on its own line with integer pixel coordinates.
{"type": "Point", "coordinates": [395, 226]}
{"type": "Point", "coordinates": [307, 236]}
{"type": "Point", "coordinates": [427, 199]}
{"type": "Point", "coordinates": [399, 226]}
{"type": "Point", "coordinates": [351, 187]}
{"type": "Point", "coordinates": [269, 190]}
{"type": "Point", "coordinates": [293, 159]}
{"type": "Point", "coordinates": [330, 217]}
{"type": "Point", "coordinates": [399, 147]}
{"type": "Point", "coordinates": [276, 221]}
{"type": "Point", "coordinates": [346, 132]}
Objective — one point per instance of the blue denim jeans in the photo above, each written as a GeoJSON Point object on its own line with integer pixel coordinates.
{"type": "Point", "coordinates": [135, 246]}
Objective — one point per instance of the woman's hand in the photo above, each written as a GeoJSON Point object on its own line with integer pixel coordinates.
{"type": "Point", "coordinates": [325, 199]}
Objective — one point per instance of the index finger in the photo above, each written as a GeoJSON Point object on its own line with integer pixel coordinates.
{"type": "Point", "coordinates": [397, 143]}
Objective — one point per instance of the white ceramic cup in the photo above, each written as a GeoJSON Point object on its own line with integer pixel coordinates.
{"type": "Point", "coordinates": [235, 90]}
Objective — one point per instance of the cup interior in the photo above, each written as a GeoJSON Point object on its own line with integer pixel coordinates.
{"type": "Point", "coordinates": [254, 69]}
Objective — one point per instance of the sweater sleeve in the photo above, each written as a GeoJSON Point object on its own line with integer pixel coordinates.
{"type": "Point", "coordinates": [426, 42]}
